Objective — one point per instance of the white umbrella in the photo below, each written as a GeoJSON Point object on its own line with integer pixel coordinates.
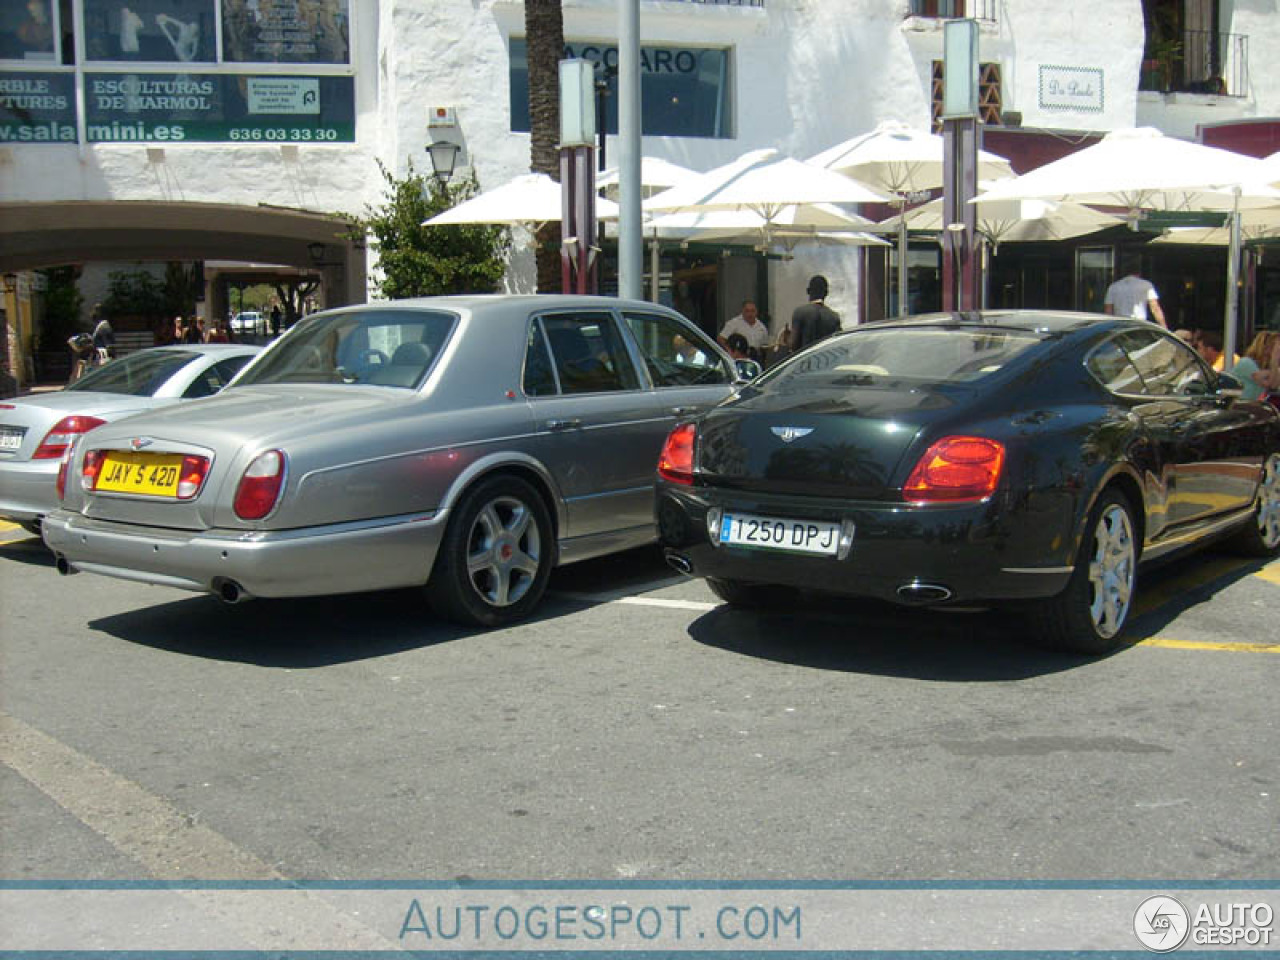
{"type": "Point", "coordinates": [764, 183]}
{"type": "Point", "coordinates": [656, 175]}
{"type": "Point", "coordinates": [818, 223]}
{"type": "Point", "coordinates": [1141, 169]}
{"type": "Point", "coordinates": [1257, 224]}
{"type": "Point", "coordinates": [1019, 221]}
{"type": "Point", "coordinates": [901, 160]}
{"type": "Point", "coordinates": [531, 199]}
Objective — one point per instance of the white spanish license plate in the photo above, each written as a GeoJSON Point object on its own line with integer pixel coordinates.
{"type": "Point", "coordinates": [10, 438]}
{"type": "Point", "coordinates": [778, 533]}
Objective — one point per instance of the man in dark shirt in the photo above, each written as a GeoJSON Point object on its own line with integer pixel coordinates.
{"type": "Point", "coordinates": [814, 320]}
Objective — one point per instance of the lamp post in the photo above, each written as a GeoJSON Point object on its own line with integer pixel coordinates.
{"type": "Point", "coordinates": [444, 155]}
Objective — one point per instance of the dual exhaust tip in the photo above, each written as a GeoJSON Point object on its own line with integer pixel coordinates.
{"type": "Point", "coordinates": [226, 590]}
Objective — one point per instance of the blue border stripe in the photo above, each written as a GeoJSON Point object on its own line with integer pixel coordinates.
{"type": "Point", "coordinates": [694, 885]}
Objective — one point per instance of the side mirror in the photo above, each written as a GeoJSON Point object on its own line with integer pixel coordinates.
{"type": "Point", "coordinates": [1230, 387]}
{"type": "Point", "coordinates": [747, 369]}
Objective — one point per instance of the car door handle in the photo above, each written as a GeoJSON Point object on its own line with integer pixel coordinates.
{"type": "Point", "coordinates": [563, 424]}
{"type": "Point", "coordinates": [684, 411]}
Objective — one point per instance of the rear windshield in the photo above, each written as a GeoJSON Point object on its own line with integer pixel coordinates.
{"type": "Point", "coordinates": [140, 374]}
{"type": "Point", "coordinates": [385, 348]}
{"type": "Point", "coordinates": [902, 356]}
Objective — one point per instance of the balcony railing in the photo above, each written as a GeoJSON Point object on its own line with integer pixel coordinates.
{"type": "Point", "coordinates": [723, 3]}
{"type": "Point", "coordinates": [1202, 61]}
{"type": "Point", "coordinates": [950, 9]}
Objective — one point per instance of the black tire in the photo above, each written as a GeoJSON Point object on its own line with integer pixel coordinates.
{"type": "Point", "coordinates": [752, 596]}
{"type": "Point", "coordinates": [1089, 615]}
{"type": "Point", "coordinates": [1261, 536]}
{"type": "Point", "coordinates": [496, 555]}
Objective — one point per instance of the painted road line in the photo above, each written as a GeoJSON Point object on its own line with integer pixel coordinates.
{"type": "Point", "coordinates": [1270, 573]}
{"type": "Point", "coordinates": [170, 844]}
{"type": "Point", "coordinates": [698, 605]}
{"type": "Point", "coordinates": [1229, 645]}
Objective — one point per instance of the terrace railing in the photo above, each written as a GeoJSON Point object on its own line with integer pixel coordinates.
{"type": "Point", "coordinates": [1201, 61]}
{"type": "Point", "coordinates": [950, 9]}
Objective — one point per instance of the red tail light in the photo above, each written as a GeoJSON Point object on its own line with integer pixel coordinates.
{"type": "Point", "coordinates": [956, 468]}
{"type": "Point", "coordinates": [63, 434]}
{"type": "Point", "coordinates": [191, 479]}
{"type": "Point", "coordinates": [260, 486]}
{"type": "Point", "coordinates": [63, 467]}
{"type": "Point", "coordinates": [90, 467]}
{"type": "Point", "coordinates": [676, 461]}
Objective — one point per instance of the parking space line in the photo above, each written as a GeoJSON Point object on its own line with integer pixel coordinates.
{"type": "Point", "coordinates": [1214, 568]}
{"type": "Point", "coordinates": [1233, 646]}
{"type": "Point", "coordinates": [1270, 573]}
{"type": "Point", "coordinates": [170, 844]}
{"type": "Point", "coordinates": [699, 605]}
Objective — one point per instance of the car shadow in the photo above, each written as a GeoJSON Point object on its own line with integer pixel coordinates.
{"type": "Point", "coordinates": [291, 633]}
{"type": "Point", "coordinates": [27, 549]}
{"type": "Point", "coordinates": [860, 636]}
{"type": "Point", "coordinates": [1168, 590]}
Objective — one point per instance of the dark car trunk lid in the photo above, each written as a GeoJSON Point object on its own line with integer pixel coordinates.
{"type": "Point", "coordinates": [849, 444]}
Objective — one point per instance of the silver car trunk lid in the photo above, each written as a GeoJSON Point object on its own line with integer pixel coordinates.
{"type": "Point", "coordinates": [29, 419]}
{"type": "Point", "coordinates": [229, 430]}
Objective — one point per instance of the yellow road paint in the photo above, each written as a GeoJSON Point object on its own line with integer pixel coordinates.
{"type": "Point", "coordinates": [1199, 573]}
{"type": "Point", "coordinates": [1270, 573]}
{"type": "Point", "coordinates": [1230, 646]}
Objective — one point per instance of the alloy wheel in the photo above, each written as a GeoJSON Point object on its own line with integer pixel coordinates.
{"type": "Point", "coordinates": [504, 549]}
{"type": "Point", "coordinates": [1111, 570]}
{"type": "Point", "coordinates": [1269, 503]}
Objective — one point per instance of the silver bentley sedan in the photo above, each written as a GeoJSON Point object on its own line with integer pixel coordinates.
{"type": "Point", "coordinates": [464, 444]}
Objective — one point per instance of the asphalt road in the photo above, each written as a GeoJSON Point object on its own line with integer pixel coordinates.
{"type": "Point", "coordinates": [634, 730]}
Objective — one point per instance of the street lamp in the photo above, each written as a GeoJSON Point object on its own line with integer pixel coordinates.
{"type": "Point", "coordinates": [443, 157]}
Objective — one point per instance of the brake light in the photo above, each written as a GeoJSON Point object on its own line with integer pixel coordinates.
{"type": "Point", "coordinates": [90, 468]}
{"type": "Point", "coordinates": [63, 467]}
{"type": "Point", "coordinates": [260, 486]}
{"type": "Point", "coordinates": [956, 468]}
{"type": "Point", "coordinates": [64, 433]}
{"type": "Point", "coordinates": [676, 460]}
{"type": "Point", "coordinates": [191, 477]}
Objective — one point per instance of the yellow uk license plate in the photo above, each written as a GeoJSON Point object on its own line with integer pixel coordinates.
{"type": "Point", "coordinates": [151, 474]}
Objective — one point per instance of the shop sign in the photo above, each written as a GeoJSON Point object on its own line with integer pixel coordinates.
{"type": "Point", "coordinates": [1071, 88]}
{"type": "Point", "coordinates": [37, 107]}
{"type": "Point", "coordinates": [169, 108]}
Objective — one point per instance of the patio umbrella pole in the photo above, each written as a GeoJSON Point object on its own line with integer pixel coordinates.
{"type": "Point", "coordinates": [653, 268]}
{"type": "Point", "coordinates": [902, 256]}
{"type": "Point", "coordinates": [1233, 268]}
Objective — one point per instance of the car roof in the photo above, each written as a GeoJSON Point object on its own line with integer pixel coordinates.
{"type": "Point", "coordinates": [1035, 321]}
{"type": "Point", "coordinates": [522, 301]}
{"type": "Point", "coordinates": [206, 349]}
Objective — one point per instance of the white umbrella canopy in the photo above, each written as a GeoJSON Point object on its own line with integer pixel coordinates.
{"type": "Point", "coordinates": [762, 182]}
{"type": "Point", "coordinates": [1256, 224]}
{"type": "Point", "coordinates": [656, 175]}
{"type": "Point", "coordinates": [900, 159]}
{"type": "Point", "coordinates": [1140, 168]}
{"type": "Point", "coordinates": [1019, 221]}
{"type": "Point", "coordinates": [818, 223]}
{"type": "Point", "coordinates": [530, 199]}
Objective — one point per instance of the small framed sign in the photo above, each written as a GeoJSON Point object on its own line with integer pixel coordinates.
{"type": "Point", "coordinates": [1071, 88]}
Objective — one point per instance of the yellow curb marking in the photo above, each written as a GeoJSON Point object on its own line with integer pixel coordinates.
{"type": "Point", "coordinates": [1232, 646]}
{"type": "Point", "coordinates": [1270, 573]}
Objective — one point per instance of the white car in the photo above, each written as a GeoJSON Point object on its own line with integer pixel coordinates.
{"type": "Point", "coordinates": [36, 429]}
{"type": "Point", "coordinates": [248, 321]}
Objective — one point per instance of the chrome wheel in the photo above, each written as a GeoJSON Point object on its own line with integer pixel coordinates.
{"type": "Point", "coordinates": [504, 550]}
{"type": "Point", "coordinates": [1269, 503]}
{"type": "Point", "coordinates": [1111, 570]}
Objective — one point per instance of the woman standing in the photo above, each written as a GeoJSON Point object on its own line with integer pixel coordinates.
{"type": "Point", "coordinates": [1259, 368]}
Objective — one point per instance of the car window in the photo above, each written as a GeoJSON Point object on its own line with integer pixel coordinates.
{"type": "Point", "coordinates": [1111, 367]}
{"type": "Point", "coordinates": [901, 356]}
{"type": "Point", "coordinates": [674, 354]}
{"type": "Point", "coordinates": [139, 374]}
{"type": "Point", "coordinates": [539, 379]}
{"type": "Point", "coordinates": [1168, 366]}
{"type": "Point", "coordinates": [389, 348]}
{"type": "Point", "coordinates": [216, 377]}
{"type": "Point", "coordinates": [588, 353]}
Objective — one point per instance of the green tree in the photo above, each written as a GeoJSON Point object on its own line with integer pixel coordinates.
{"type": "Point", "coordinates": [418, 261]}
{"type": "Point", "coordinates": [62, 305]}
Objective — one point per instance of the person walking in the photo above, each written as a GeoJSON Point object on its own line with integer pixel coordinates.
{"type": "Point", "coordinates": [1133, 296]}
{"type": "Point", "coordinates": [104, 336]}
{"type": "Point", "coordinates": [814, 320]}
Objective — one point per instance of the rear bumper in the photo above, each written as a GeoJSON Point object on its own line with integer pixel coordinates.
{"type": "Point", "coordinates": [899, 553]}
{"type": "Point", "coordinates": [340, 558]}
{"type": "Point", "coordinates": [28, 489]}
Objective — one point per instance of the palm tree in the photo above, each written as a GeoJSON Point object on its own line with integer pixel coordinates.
{"type": "Point", "coordinates": [544, 37]}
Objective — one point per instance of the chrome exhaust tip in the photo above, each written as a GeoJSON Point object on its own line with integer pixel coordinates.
{"type": "Point", "coordinates": [921, 594]}
{"type": "Point", "coordinates": [63, 566]}
{"type": "Point", "coordinates": [680, 563]}
{"type": "Point", "coordinates": [228, 591]}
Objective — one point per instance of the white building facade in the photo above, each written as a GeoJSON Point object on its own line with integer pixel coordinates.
{"type": "Point", "coordinates": [235, 129]}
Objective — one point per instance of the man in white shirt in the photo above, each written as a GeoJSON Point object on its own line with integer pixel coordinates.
{"type": "Point", "coordinates": [1132, 296]}
{"type": "Point", "coordinates": [749, 324]}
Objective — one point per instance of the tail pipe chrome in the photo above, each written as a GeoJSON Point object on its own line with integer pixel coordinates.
{"type": "Point", "coordinates": [679, 562]}
{"type": "Point", "coordinates": [63, 565]}
{"type": "Point", "coordinates": [922, 594]}
{"type": "Point", "coordinates": [228, 591]}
